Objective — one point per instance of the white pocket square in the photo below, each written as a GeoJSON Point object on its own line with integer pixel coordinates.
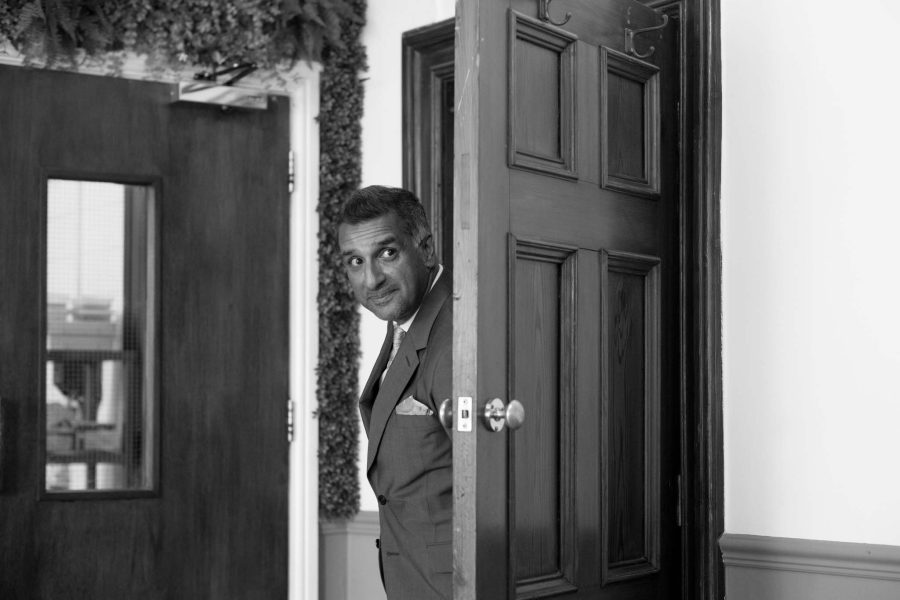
{"type": "Point", "coordinates": [411, 406]}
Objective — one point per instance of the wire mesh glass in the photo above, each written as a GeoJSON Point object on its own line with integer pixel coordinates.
{"type": "Point", "coordinates": [99, 388]}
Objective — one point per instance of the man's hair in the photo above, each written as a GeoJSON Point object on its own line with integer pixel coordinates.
{"type": "Point", "coordinates": [377, 200]}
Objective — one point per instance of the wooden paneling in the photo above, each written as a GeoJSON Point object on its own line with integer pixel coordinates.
{"type": "Point", "coordinates": [542, 85]}
{"type": "Point", "coordinates": [542, 377]}
{"type": "Point", "coordinates": [629, 124]}
{"type": "Point", "coordinates": [625, 117]}
{"type": "Point", "coordinates": [630, 452]}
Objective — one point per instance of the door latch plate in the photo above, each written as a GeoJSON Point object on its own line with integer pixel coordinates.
{"type": "Point", "coordinates": [464, 413]}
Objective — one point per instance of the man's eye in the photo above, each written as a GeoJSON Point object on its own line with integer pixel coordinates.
{"type": "Point", "coordinates": [354, 261]}
{"type": "Point", "coordinates": [389, 253]}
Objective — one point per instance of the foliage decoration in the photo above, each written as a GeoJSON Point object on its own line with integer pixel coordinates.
{"type": "Point", "coordinates": [200, 32]}
{"type": "Point", "coordinates": [340, 110]}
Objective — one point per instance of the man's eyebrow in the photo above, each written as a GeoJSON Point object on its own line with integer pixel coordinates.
{"type": "Point", "coordinates": [387, 241]}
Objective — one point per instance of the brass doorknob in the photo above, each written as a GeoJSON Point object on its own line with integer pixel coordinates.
{"type": "Point", "coordinates": [497, 415]}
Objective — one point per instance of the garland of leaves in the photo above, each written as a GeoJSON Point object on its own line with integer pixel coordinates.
{"type": "Point", "coordinates": [198, 32]}
{"type": "Point", "coordinates": [340, 111]}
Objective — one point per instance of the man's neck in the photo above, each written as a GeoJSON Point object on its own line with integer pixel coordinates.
{"type": "Point", "coordinates": [432, 279]}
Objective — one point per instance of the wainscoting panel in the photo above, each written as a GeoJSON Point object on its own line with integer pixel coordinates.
{"type": "Point", "coordinates": [770, 568]}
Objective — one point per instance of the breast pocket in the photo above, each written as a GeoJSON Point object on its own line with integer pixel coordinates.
{"type": "Point", "coordinates": [418, 422]}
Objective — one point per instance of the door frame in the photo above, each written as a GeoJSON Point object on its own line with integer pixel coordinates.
{"type": "Point", "coordinates": [425, 72]}
{"type": "Point", "coordinates": [703, 493]}
{"type": "Point", "coordinates": [702, 465]}
{"type": "Point", "coordinates": [301, 84]}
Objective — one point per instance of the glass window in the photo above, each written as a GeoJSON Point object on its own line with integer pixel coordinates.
{"type": "Point", "coordinates": [100, 344]}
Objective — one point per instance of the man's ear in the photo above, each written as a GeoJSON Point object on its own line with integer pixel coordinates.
{"type": "Point", "coordinates": [426, 247]}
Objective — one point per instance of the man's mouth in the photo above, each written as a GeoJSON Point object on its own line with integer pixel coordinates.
{"type": "Point", "coordinates": [382, 298]}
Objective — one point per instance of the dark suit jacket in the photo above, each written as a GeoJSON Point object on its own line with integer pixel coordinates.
{"type": "Point", "coordinates": [409, 457]}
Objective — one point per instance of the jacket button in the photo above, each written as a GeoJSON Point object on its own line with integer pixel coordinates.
{"type": "Point", "coordinates": [381, 499]}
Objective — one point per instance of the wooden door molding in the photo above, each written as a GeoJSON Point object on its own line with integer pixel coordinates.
{"type": "Point", "coordinates": [428, 127]}
{"type": "Point", "coordinates": [701, 276]}
{"type": "Point", "coordinates": [702, 493]}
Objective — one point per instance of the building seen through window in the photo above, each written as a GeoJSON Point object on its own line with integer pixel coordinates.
{"type": "Point", "coordinates": [100, 328]}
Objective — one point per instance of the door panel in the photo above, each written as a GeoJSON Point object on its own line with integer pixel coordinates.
{"type": "Point", "coordinates": [629, 124]}
{"type": "Point", "coordinates": [214, 524]}
{"type": "Point", "coordinates": [566, 221]}
{"type": "Point", "coordinates": [543, 355]}
{"type": "Point", "coordinates": [630, 403]}
{"type": "Point", "coordinates": [542, 86]}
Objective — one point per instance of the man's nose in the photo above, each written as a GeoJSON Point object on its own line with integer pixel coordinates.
{"type": "Point", "coordinates": [374, 275]}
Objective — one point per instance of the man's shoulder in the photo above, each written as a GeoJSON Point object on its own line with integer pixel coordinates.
{"type": "Point", "coordinates": [440, 338]}
{"type": "Point", "coordinates": [437, 309]}
{"type": "Point", "coordinates": [443, 322]}
{"type": "Point", "coordinates": [438, 353]}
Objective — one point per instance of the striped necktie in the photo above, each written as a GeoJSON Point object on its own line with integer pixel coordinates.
{"type": "Point", "coordinates": [399, 333]}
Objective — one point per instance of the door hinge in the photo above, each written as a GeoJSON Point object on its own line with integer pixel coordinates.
{"type": "Point", "coordinates": [678, 509]}
{"type": "Point", "coordinates": [290, 421]}
{"type": "Point", "coordinates": [290, 171]}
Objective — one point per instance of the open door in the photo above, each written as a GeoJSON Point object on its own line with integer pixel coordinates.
{"type": "Point", "coordinates": [566, 286]}
{"type": "Point", "coordinates": [144, 342]}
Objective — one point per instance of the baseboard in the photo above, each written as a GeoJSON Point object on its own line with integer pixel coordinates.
{"type": "Point", "coordinates": [770, 568]}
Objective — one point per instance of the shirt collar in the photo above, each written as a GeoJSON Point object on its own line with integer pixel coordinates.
{"type": "Point", "coordinates": [405, 325]}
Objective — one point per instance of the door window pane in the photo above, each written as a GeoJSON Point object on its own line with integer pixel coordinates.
{"type": "Point", "coordinates": [99, 377]}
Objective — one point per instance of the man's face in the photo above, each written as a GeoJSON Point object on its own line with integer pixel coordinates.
{"type": "Point", "coordinates": [388, 271]}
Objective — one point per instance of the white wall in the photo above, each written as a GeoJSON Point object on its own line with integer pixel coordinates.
{"type": "Point", "coordinates": [811, 282]}
{"type": "Point", "coordinates": [382, 142]}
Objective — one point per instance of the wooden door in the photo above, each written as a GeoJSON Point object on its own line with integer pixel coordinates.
{"type": "Point", "coordinates": [208, 519]}
{"type": "Point", "coordinates": [566, 285]}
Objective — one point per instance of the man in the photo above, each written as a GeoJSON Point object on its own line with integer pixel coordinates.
{"type": "Point", "coordinates": [388, 255]}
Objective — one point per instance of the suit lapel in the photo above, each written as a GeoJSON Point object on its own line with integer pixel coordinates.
{"type": "Point", "coordinates": [404, 366]}
{"type": "Point", "coordinates": [367, 398]}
